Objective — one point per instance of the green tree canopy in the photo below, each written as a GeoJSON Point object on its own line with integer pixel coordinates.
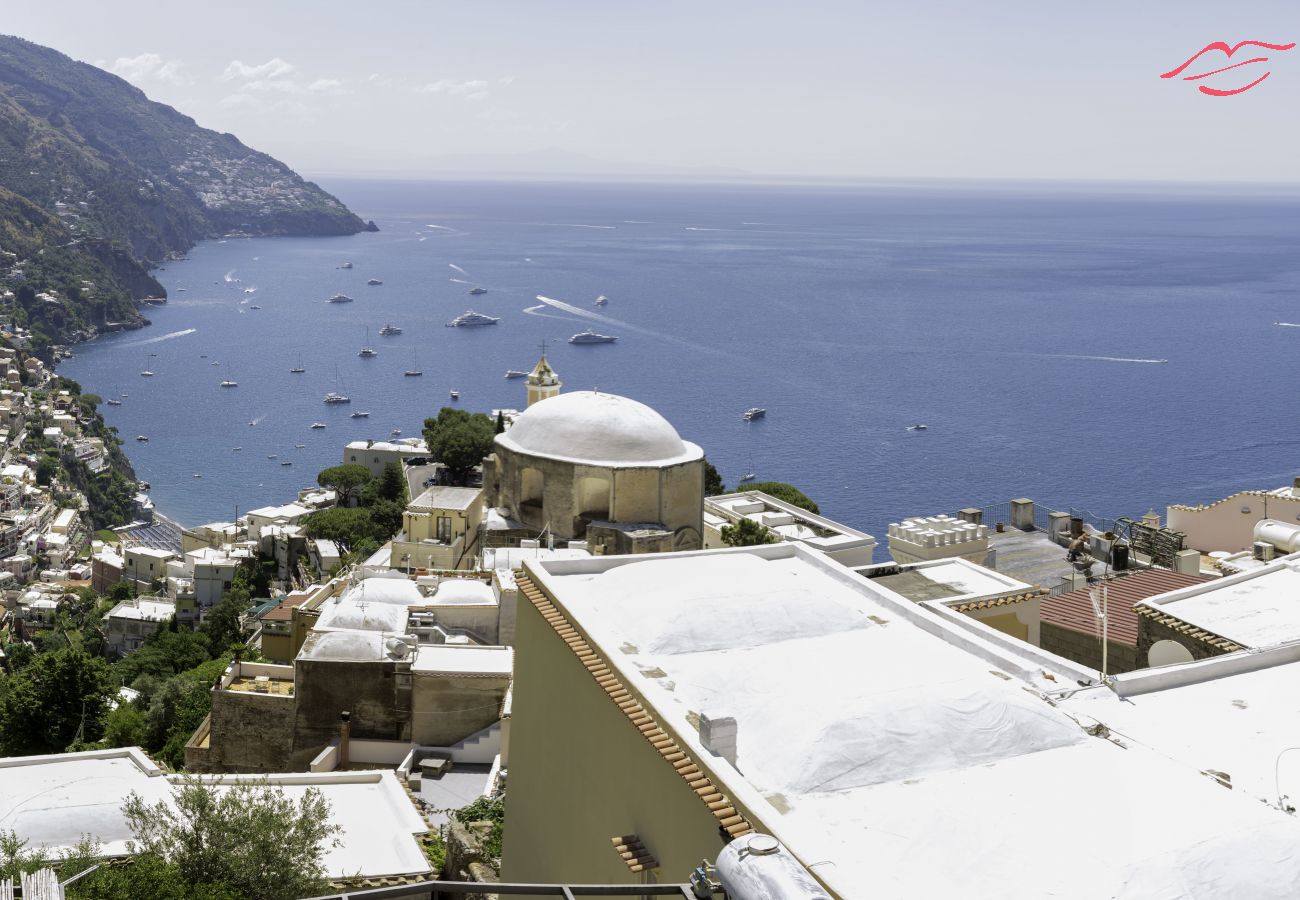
{"type": "Point", "coordinates": [345, 480]}
{"type": "Point", "coordinates": [713, 485]}
{"type": "Point", "coordinates": [787, 492]}
{"type": "Point", "coordinates": [249, 838]}
{"type": "Point", "coordinates": [747, 533]}
{"type": "Point", "coordinates": [459, 440]}
{"type": "Point", "coordinates": [58, 699]}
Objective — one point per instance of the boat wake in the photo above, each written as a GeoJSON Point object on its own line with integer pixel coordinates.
{"type": "Point", "coordinates": [230, 278]}
{"type": "Point", "coordinates": [161, 337]}
{"type": "Point", "coordinates": [460, 281]}
{"type": "Point", "coordinates": [1114, 359]}
{"type": "Point", "coordinates": [458, 269]}
{"type": "Point", "coordinates": [1287, 324]}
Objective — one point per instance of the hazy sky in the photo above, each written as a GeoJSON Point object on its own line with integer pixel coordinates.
{"type": "Point", "coordinates": [910, 88]}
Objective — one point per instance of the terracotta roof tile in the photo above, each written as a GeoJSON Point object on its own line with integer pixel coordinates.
{"type": "Point", "coordinates": [1074, 610]}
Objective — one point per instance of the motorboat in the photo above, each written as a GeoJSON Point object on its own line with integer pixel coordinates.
{"type": "Point", "coordinates": [374, 281]}
{"type": "Point", "coordinates": [235, 449]}
{"type": "Point", "coordinates": [340, 298]}
{"type": "Point", "coordinates": [346, 265]}
{"type": "Point", "coordinates": [389, 330]}
{"type": "Point", "coordinates": [142, 439]}
{"type": "Point", "coordinates": [478, 290]}
{"type": "Point", "coordinates": [272, 456]}
{"type": "Point", "coordinates": [602, 300]}
{"type": "Point", "coordinates": [748, 476]}
{"type": "Point", "coordinates": [254, 306]}
{"type": "Point", "coordinates": [230, 382]}
{"type": "Point", "coordinates": [754, 412]}
{"type": "Point", "coordinates": [299, 446]}
{"type": "Point", "coordinates": [287, 463]}
{"type": "Point", "coordinates": [470, 318]}
{"type": "Point", "coordinates": [147, 374]}
{"type": "Point", "coordinates": [591, 337]}
{"type": "Point", "coordinates": [360, 415]}
{"type": "Point", "coordinates": [367, 353]}
{"type": "Point", "coordinates": [412, 373]}
{"type": "Point", "coordinates": [396, 432]}
{"type": "Point", "coordinates": [515, 373]}
{"type": "Point", "coordinates": [114, 402]}
{"type": "Point", "coordinates": [917, 427]}
{"type": "Point", "coordinates": [455, 395]}
{"type": "Point", "coordinates": [317, 424]}
{"type": "Point", "coordinates": [336, 397]}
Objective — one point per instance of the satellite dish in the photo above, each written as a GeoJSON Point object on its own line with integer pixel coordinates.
{"type": "Point", "coordinates": [1168, 653]}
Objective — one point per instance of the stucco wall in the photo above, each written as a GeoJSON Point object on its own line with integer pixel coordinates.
{"type": "Point", "coordinates": [367, 690]}
{"type": "Point", "coordinates": [581, 773]}
{"type": "Point", "coordinates": [446, 709]}
{"type": "Point", "coordinates": [1223, 525]}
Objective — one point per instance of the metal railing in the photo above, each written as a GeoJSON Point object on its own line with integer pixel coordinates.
{"type": "Point", "coordinates": [684, 891]}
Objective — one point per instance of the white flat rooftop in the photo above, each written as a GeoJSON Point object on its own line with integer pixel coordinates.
{"type": "Point", "coordinates": [52, 801]}
{"type": "Point", "coordinates": [446, 497]}
{"type": "Point", "coordinates": [894, 753]}
{"type": "Point", "coordinates": [1258, 608]}
{"type": "Point", "coordinates": [463, 659]}
{"type": "Point", "coordinates": [513, 557]}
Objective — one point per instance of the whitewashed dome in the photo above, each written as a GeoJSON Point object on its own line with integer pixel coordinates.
{"type": "Point", "coordinates": [598, 429]}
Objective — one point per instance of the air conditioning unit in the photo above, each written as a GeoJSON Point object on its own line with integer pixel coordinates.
{"type": "Point", "coordinates": [1263, 551]}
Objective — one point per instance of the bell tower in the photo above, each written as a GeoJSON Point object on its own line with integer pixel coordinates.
{"type": "Point", "coordinates": [542, 381]}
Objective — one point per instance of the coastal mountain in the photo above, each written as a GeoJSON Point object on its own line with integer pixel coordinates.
{"type": "Point", "coordinates": [125, 182]}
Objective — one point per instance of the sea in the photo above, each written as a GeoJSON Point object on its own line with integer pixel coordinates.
{"type": "Point", "coordinates": [1110, 349]}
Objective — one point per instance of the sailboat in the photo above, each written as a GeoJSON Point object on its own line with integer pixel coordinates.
{"type": "Point", "coordinates": [229, 382]}
{"type": "Point", "coordinates": [367, 352]}
{"type": "Point", "coordinates": [145, 371]}
{"type": "Point", "coordinates": [337, 396]}
{"type": "Point", "coordinates": [749, 473]}
{"type": "Point", "coordinates": [298, 369]}
{"type": "Point", "coordinates": [414, 371]}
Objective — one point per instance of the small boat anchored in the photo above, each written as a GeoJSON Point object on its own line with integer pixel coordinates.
{"type": "Point", "coordinates": [340, 298]}
{"type": "Point", "coordinates": [754, 412]}
{"type": "Point", "coordinates": [317, 424]}
{"type": "Point", "coordinates": [359, 414]}
{"type": "Point", "coordinates": [346, 265]}
{"type": "Point", "coordinates": [389, 330]}
{"type": "Point", "coordinates": [455, 395]}
{"type": "Point", "coordinates": [515, 373]}
{"type": "Point", "coordinates": [114, 402]}
{"type": "Point", "coordinates": [917, 427]}
{"type": "Point", "coordinates": [476, 290]}
{"type": "Point", "coordinates": [602, 300]}
{"type": "Point", "coordinates": [142, 438]}
{"type": "Point", "coordinates": [374, 281]}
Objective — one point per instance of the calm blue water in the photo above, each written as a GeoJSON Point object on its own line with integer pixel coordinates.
{"type": "Point", "coordinates": [1013, 323]}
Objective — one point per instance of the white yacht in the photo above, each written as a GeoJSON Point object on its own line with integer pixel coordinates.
{"type": "Point", "coordinates": [340, 298]}
{"type": "Point", "coordinates": [142, 439]}
{"type": "Point", "coordinates": [470, 318]}
{"type": "Point", "coordinates": [917, 427]}
{"type": "Point", "coordinates": [374, 281]}
{"type": "Point", "coordinates": [336, 397]}
{"type": "Point", "coordinates": [147, 374]}
{"type": "Point", "coordinates": [389, 330]}
{"type": "Point", "coordinates": [360, 415]}
{"type": "Point", "coordinates": [602, 300]}
{"type": "Point", "coordinates": [317, 424]}
{"type": "Point", "coordinates": [455, 395]}
{"type": "Point", "coordinates": [114, 402]}
{"type": "Point", "coordinates": [515, 373]}
{"type": "Point", "coordinates": [591, 337]}
{"type": "Point", "coordinates": [478, 290]}
{"type": "Point", "coordinates": [754, 412]}
{"type": "Point", "coordinates": [346, 265]}
{"type": "Point", "coordinates": [230, 382]}
{"type": "Point", "coordinates": [396, 432]}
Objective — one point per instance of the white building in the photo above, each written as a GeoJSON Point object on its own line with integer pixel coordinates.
{"type": "Point", "coordinates": [288, 514]}
{"type": "Point", "coordinates": [128, 623]}
{"type": "Point", "coordinates": [144, 565]}
{"type": "Point", "coordinates": [938, 537]}
{"type": "Point", "coordinates": [376, 455]}
{"type": "Point", "coordinates": [788, 522]}
{"type": "Point", "coordinates": [892, 750]}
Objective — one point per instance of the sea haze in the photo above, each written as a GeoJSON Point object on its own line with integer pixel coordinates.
{"type": "Point", "coordinates": [1023, 327]}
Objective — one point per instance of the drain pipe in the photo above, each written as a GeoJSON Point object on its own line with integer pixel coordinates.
{"type": "Point", "coordinates": [345, 731]}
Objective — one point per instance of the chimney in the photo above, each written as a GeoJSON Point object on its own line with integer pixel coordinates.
{"type": "Point", "coordinates": [718, 735]}
{"type": "Point", "coordinates": [345, 730]}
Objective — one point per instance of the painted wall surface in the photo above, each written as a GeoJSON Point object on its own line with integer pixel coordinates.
{"type": "Point", "coordinates": [446, 708]}
{"type": "Point", "coordinates": [581, 773]}
{"type": "Point", "coordinates": [1223, 525]}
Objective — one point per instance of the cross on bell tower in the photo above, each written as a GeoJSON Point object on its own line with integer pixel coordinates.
{"type": "Point", "coordinates": [542, 381]}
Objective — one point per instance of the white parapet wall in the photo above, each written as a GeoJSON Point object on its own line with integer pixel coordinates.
{"type": "Point", "coordinates": [937, 537]}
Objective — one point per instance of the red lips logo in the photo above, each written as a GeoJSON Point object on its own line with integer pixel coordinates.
{"type": "Point", "coordinates": [1220, 46]}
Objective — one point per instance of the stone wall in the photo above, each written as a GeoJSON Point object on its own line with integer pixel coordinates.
{"type": "Point", "coordinates": [368, 690]}
{"type": "Point", "coordinates": [248, 733]}
{"type": "Point", "coordinates": [466, 860]}
{"type": "Point", "coordinates": [1085, 649]}
{"type": "Point", "coordinates": [448, 708]}
{"type": "Point", "coordinates": [1150, 630]}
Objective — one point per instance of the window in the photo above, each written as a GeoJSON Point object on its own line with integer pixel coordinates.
{"type": "Point", "coordinates": [225, 585]}
{"type": "Point", "coordinates": [353, 458]}
{"type": "Point", "coordinates": [444, 529]}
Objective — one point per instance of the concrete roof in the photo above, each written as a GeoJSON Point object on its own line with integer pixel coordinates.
{"type": "Point", "coordinates": [143, 609]}
{"type": "Point", "coordinates": [598, 429]}
{"type": "Point", "coordinates": [344, 646]}
{"type": "Point", "coordinates": [463, 659]}
{"type": "Point", "coordinates": [445, 497]}
{"type": "Point", "coordinates": [52, 801]}
{"type": "Point", "coordinates": [513, 557]}
{"type": "Point", "coordinates": [395, 591]}
{"type": "Point", "coordinates": [1258, 608]}
{"type": "Point", "coordinates": [464, 591]}
{"type": "Point", "coordinates": [947, 580]}
{"type": "Point", "coordinates": [898, 754]}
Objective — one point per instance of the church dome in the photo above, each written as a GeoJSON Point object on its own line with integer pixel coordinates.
{"type": "Point", "coordinates": [598, 429]}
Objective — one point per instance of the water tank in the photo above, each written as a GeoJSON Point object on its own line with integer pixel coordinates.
{"type": "Point", "coordinates": [1119, 557]}
{"type": "Point", "coordinates": [757, 867]}
{"type": "Point", "coordinates": [1282, 535]}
